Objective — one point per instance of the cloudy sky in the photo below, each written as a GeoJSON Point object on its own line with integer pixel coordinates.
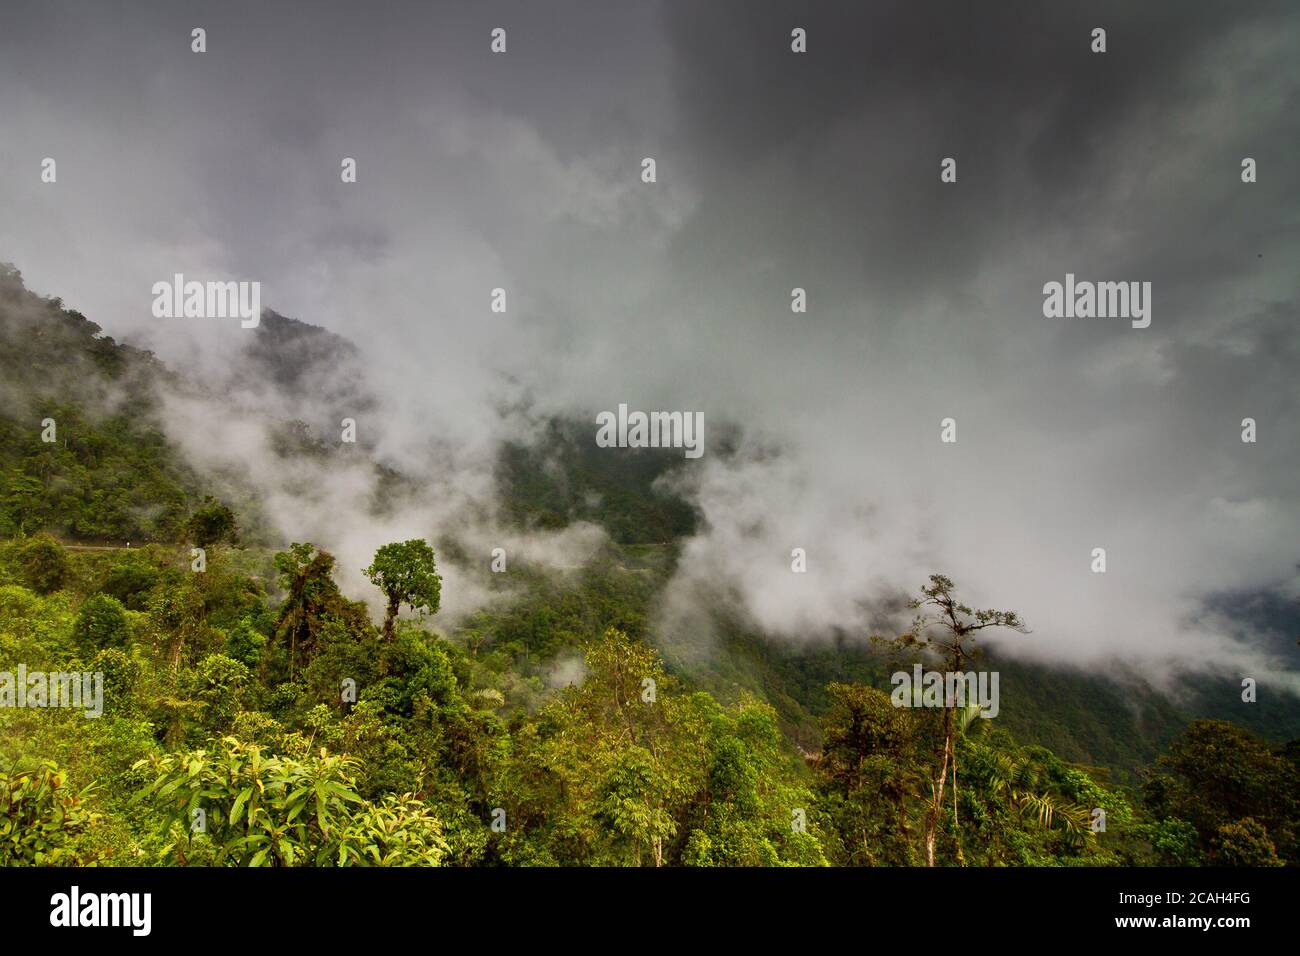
{"type": "Point", "coordinates": [775, 170]}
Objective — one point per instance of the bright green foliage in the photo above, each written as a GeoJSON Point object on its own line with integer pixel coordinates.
{"type": "Point", "coordinates": [406, 573]}
{"type": "Point", "coordinates": [608, 759]}
{"type": "Point", "coordinates": [219, 685]}
{"type": "Point", "coordinates": [399, 831]}
{"type": "Point", "coordinates": [1017, 805]}
{"type": "Point", "coordinates": [1173, 842]}
{"type": "Point", "coordinates": [42, 821]}
{"type": "Point", "coordinates": [266, 810]}
{"type": "Point", "coordinates": [121, 680]}
{"type": "Point", "coordinates": [632, 803]}
{"type": "Point", "coordinates": [623, 769]}
{"type": "Point", "coordinates": [754, 808]}
{"type": "Point", "coordinates": [33, 629]}
{"type": "Point", "coordinates": [246, 644]}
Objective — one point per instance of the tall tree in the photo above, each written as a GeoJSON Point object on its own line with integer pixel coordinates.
{"type": "Point", "coordinates": [405, 571]}
{"type": "Point", "coordinates": [946, 628]}
{"type": "Point", "coordinates": [306, 574]}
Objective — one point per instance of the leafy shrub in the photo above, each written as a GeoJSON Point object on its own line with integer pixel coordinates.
{"type": "Point", "coordinates": [219, 683]}
{"type": "Point", "coordinates": [101, 623]}
{"type": "Point", "coordinates": [269, 810]}
{"type": "Point", "coordinates": [44, 564]}
{"type": "Point", "coordinates": [245, 644]}
{"type": "Point", "coordinates": [41, 820]}
{"type": "Point", "coordinates": [131, 584]}
{"type": "Point", "coordinates": [399, 831]}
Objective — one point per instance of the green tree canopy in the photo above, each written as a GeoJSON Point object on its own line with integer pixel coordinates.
{"type": "Point", "coordinates": [405, 571]}
{"type": "Point", "coordinates": [101, 623]}
{"type": "Point", "coordinates": [211, 524]}
{"type": "Point", "coordinates": [1216, 776]}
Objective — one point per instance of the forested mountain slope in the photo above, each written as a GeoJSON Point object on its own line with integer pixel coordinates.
{"type": "Point", "coordinates": [552, 726]}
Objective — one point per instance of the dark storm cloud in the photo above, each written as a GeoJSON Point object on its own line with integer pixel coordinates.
{"type": "Point", "coordinates": [842, 145]}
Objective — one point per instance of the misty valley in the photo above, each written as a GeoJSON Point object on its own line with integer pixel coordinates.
{"type": "Point", "coordinates": [511, 689]}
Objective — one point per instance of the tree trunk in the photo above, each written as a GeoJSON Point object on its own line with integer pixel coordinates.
{"type": "Point", "coordinates": [177, 645]}
{"type": "Point", "coordinates": [389, 618]}
{"type": "Point", "coordinates": [956, 833]}
{"type": "Point", "coordinates": [936, 803]}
